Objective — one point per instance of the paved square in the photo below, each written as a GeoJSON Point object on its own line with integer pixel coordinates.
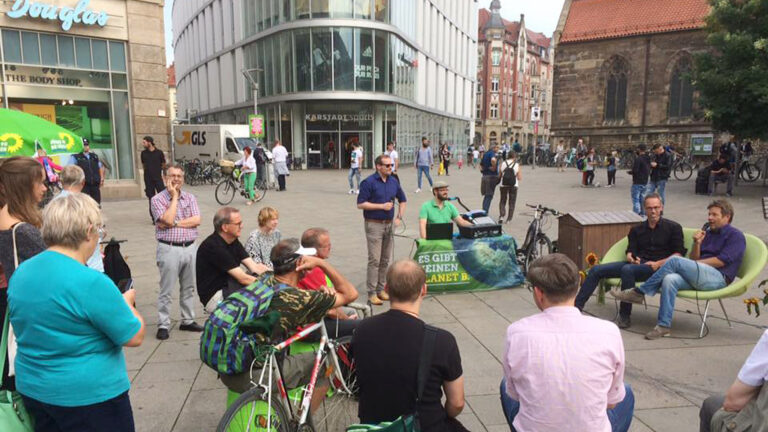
{"type": "Point", "coordinates": [173, 391]}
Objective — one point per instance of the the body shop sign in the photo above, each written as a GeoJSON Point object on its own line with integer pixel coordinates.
{"type": "Point", "coordinates": [80, 14]}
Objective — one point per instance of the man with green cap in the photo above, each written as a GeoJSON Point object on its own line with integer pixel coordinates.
{"type": "Point", "coordinates": [439, 210]}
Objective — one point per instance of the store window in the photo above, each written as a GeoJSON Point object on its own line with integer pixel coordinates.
{"type": "Point", "coordinates": [30, 48]}
{"type": "Point", "coordinates": [381, 10]}
{"type": "Point", "coordinates": [11, 46]}
{"type": "Point", "coordinates": [342, 9]}
{"type": "Point", "coordinates": [363, 59]}
{"type": "Point", "coordinates": [321, 58]}
{"type": "Point", "coordinates": [343, 65]}
{"type": "Point", "coordinates": [48, 51]}
{"type": "Point", "coordinates": [320, 9]}
{"type": "Point", "coordinates": [302, 9]}
{"type": "Point", "coordinates": [381, 63]}
{"type": "Point", "coordinates": [363, 9]}
{"type": "Point", "coordinates": [117, 56]}
{"type": "Point", "coordinates": [303, 50]}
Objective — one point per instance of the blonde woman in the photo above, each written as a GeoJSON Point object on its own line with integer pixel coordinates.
{"type": "Point", "coordinates": [262, 240]}
{"type": "Point", "coordinates": [70, 367]}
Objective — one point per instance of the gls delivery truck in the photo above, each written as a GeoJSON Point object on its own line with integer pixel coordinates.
{"type": "Point", "coordinates": [210, 142]}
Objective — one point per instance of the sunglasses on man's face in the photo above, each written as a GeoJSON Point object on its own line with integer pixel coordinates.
{"type": "Point", "coordinates": [387, 165]}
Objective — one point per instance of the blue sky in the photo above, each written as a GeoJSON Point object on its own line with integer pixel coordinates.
{"type": "Point", "coordinates": [540, 16]}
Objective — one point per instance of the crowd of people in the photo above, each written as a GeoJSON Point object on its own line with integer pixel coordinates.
{"type": "Point", "coordinates": [68, 362]}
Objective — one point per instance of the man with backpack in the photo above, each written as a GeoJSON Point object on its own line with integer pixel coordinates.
{"type": "Point", "coordinates": [270, 309]}
{"type": "Point", "coordinates": [510, 175]}
{"type": "Point", "coordinates": [489, 169]}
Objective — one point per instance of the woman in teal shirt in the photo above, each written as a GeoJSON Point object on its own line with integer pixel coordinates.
{"type": "Point", "coordinates": [71, 330]}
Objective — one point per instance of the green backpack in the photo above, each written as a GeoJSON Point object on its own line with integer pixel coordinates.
{"type": "Point", "coordinates": [234, 330]}
{"type": "Point", "coordinates": [410, 422]}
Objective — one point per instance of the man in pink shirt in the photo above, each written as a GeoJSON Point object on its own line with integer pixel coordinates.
{"type": "Point", "coordinates": [563, 370]}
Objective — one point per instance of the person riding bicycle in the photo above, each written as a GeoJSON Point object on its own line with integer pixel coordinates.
{"type": "Point", "coordinates": [295, 308]}
{"type": "Point", "coordinates": [248, 162]}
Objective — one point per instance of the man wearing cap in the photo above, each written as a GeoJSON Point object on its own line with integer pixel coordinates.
{"type": "Point", "coordinates": [153, 161]}
{"type": "Point", "coordinates": [295, 308]}
{"type": "Point", "coordinates": [93, 169]}
{"type": "Point", "coordinates": [378, 193]}
{"type": "Point", "coordinates": [439, 210]}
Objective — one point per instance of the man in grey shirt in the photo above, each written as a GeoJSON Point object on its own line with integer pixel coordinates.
{"type": "Point", "coordinates": [424, 161]}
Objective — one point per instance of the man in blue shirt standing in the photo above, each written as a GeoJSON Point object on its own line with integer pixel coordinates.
{"type": "Point", "coordinates": [714, 261]}
{"type": "Point", "coordinates": [489, 169]}
{"type": "Point", "coordinates": [377, 201]}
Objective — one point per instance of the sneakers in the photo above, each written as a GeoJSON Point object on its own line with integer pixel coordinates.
{"type": "Point", "coordinates": [658, 332]}
{"type": "Point", "coordinates": [383, 296]}
{"type": "Point", "coordinates": [375, 300]}
{"type": "Point", "coordinates": [192, 327]}
{"type": "Point", "coordinates": [351, 191]}
{"type": "Point", "coordinates": [623, 322]}
{"type": "Point", "coordinates": [418, 190]}
{"type": "Point", "coordinates": [249, 202]}
{"type": "Point", "coordinates": [162, 333]}
{"type": "Point", "coordinates": [500, 221]}
{"type": "Point", "coordinates": [629, 296]}
{"type": "Point", "coordinates": [357, 191]}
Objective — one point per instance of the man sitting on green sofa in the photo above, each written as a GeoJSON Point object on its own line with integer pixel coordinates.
{"type": "Point", "coordinates": [714, 261]}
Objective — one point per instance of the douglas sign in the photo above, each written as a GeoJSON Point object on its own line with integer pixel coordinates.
{"type": "Point", "coordinates": [67, 15]}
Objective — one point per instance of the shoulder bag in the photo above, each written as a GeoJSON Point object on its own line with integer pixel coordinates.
{"type": "Point", "coordinates": [410, 422]}
{"type": "Point", "coordinates": [13, 415]}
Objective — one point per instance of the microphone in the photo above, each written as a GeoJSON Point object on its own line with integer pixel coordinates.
{"type": "Point", "coordinates": [705, 227]}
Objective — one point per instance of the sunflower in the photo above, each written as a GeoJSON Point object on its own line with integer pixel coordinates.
{"type": "Point", "coordinates": [592, 259]}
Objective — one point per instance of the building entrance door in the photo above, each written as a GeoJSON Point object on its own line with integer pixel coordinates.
{"type": "Point", "coordinates": [322, 150]}
{"type": "Point", "coordinates": [365, 139]}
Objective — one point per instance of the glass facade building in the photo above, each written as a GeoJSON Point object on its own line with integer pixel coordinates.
{"type": "Point", "coordinates": [331, 72]}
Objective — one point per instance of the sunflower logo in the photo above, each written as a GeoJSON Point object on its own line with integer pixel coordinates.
{"type": "Point", "coordinates": [18, 141]}
{"type": "Point", "coordinates": [68, 139]}
{"type": "Point", "coordinates": [592, 259]}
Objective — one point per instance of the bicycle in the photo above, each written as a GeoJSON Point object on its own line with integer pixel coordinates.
{"type": "Point", "coordinates": [536, 243]}
{"type": "Point", "coordinates": [261, 408]}
{"type": "Point", "coordinates": [683, 166]}
{"type": "Point", "coordinates": [233, 182]}
{"type": "Point", "coordinates": [626, 159]}
{"type": "Point", "coordinates": [749, 171]}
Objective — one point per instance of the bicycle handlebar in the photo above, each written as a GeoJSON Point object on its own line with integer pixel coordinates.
{"type": "Point", "coordinates": [544, 209]}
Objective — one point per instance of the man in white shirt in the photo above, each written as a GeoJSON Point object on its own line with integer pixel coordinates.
{"type": "Point", "coordinates": [280, 158]}
{"type": "Point", "coordinates": [392, 153]}
{"type": "Point", "coordinates": [746, 402]}
{"type": "Point", "coordinates": [355, 163]}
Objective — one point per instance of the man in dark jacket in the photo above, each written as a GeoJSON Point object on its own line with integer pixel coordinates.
{"type": "Point", "coordinates": [641, 168]}
{"type": "Point", "coordinates": [93, 169]}
{"type": "Point", "coordinates": [661, 165]}
{"type": "Point", "coordinates": [153, 161]}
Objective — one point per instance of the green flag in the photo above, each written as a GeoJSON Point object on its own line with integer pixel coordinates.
{"type": "Point", "coordinates": [21, 134]}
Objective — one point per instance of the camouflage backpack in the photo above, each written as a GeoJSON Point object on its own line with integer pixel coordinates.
{"type": "Point", "coordinates": [225, 345]}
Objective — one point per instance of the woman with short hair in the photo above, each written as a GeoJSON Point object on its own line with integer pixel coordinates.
{"type": "Point", "coordinates": [262, 240]}
{"type": "Point", "coordinates": [70, 367]}
{"type": "Point", "coordinates": [22, 188]}
{"type": "Point", "coordinates": [249, 173]}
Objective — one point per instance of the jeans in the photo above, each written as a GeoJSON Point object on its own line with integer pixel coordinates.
{"type": "Point", "coordinates": [110, 415]}
{"type": "Point", "coordinates": [487, 188]}
{"type": "Point", "coordinates": [629, 274]}
{"type": "Point", "coordinates": [637, 193]}
{"type": "Point", "coordinates": [589, 177]}
{"type": "Point", "coordinates": [354, 172]}
{"type": "Point", "coordinates": [659, 185]}
{"type": "Point", "coordinates": [611, 177]}
{"type": "Point", "coordinates": [720, 178]}
{"type": "Point", "coordinates": [507, 193]}
{"type": "Point", "coordinates": [425, 170]}
{"type": "Point", "coordinates": [620, 416]}
{"type": "Point", "coordinates": [676, 274]}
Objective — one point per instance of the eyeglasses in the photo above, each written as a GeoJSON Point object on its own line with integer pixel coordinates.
{"type": "Point", "coordinates": [387, 165]}
{"type": "Point", "coordinates": [240, 224]}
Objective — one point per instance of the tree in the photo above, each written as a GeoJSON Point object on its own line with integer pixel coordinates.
{"type": "Point", "coordinates": [733, 76]}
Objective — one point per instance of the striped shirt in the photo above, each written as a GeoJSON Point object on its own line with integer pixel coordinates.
{"type": "Point", "coordinates": [186, 208]}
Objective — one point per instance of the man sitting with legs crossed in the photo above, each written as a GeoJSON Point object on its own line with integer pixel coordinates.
{"type": "Point", "coordinates": [715, 259]}
{"type": "Point", "coordinates": [649, 246]}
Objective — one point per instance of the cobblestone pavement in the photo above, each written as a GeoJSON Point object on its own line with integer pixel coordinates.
{"type": "Point", "coordinates": [173, 391]}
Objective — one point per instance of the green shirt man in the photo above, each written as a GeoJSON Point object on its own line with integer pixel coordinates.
{"type": "Point", "coordinates": [439, 210]}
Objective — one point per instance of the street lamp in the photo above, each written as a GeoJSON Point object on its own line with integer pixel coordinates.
{"type": "Point", "coordinates": [251, 76]}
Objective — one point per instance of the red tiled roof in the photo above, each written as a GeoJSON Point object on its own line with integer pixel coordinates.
{"type": "Point", "coordinates": [538, 38]}
{"type": "Point", "coordinates": [605, 19]}
{"type": "Point", "coordinates": [171, 71]}
{"type": "Point", "coordinates": [513, 27]}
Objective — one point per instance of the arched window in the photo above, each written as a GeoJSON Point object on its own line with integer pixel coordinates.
{"type": "Point", "coordinates": [681, 89]}
{"type": "Point", "coordinates": [616, 89]}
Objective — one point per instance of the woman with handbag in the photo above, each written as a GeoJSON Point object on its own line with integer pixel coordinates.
{"type": "Point", "coordinates": [22, 187]}
{"type": "Point", "coordinates": [70, 367]}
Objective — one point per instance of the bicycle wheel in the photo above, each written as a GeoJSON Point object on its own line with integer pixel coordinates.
{"type": "Point", "coordinates": [225, 192]}
{"type": "Point", "coordinates": [542, 246]}
{"type": "Point", "coordinates": [339, 409]}
{"type": "Point", "coordinates": [683, 171]}
{"type": "Point", "coordinates": [750, 172]}
{"type": "Point", "coordinates": [248, 413]}
{"type": "Point", "coordinates": [260, 188]}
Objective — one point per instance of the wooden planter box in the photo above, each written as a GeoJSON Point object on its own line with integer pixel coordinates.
{"type": "Point", "coordinates": [583, 232]}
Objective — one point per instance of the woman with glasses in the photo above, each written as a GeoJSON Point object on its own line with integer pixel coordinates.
{"type": "Point", "coordinates": [262, 240]}
{"type": "Point", "coordinates": [70, 367]}
{"type": "Point", "coordinates": [22, 188]}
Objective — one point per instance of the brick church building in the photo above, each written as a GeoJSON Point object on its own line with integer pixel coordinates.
{"type": "Point", "coordinates": [622, 72]}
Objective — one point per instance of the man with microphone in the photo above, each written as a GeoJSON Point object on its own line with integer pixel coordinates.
{"type": "Point", "coordinates": [439, 210]}
{"type": "Point", "coordinates": [378, 193]}
{"type": "Point", "coordinates": [715, 258]}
